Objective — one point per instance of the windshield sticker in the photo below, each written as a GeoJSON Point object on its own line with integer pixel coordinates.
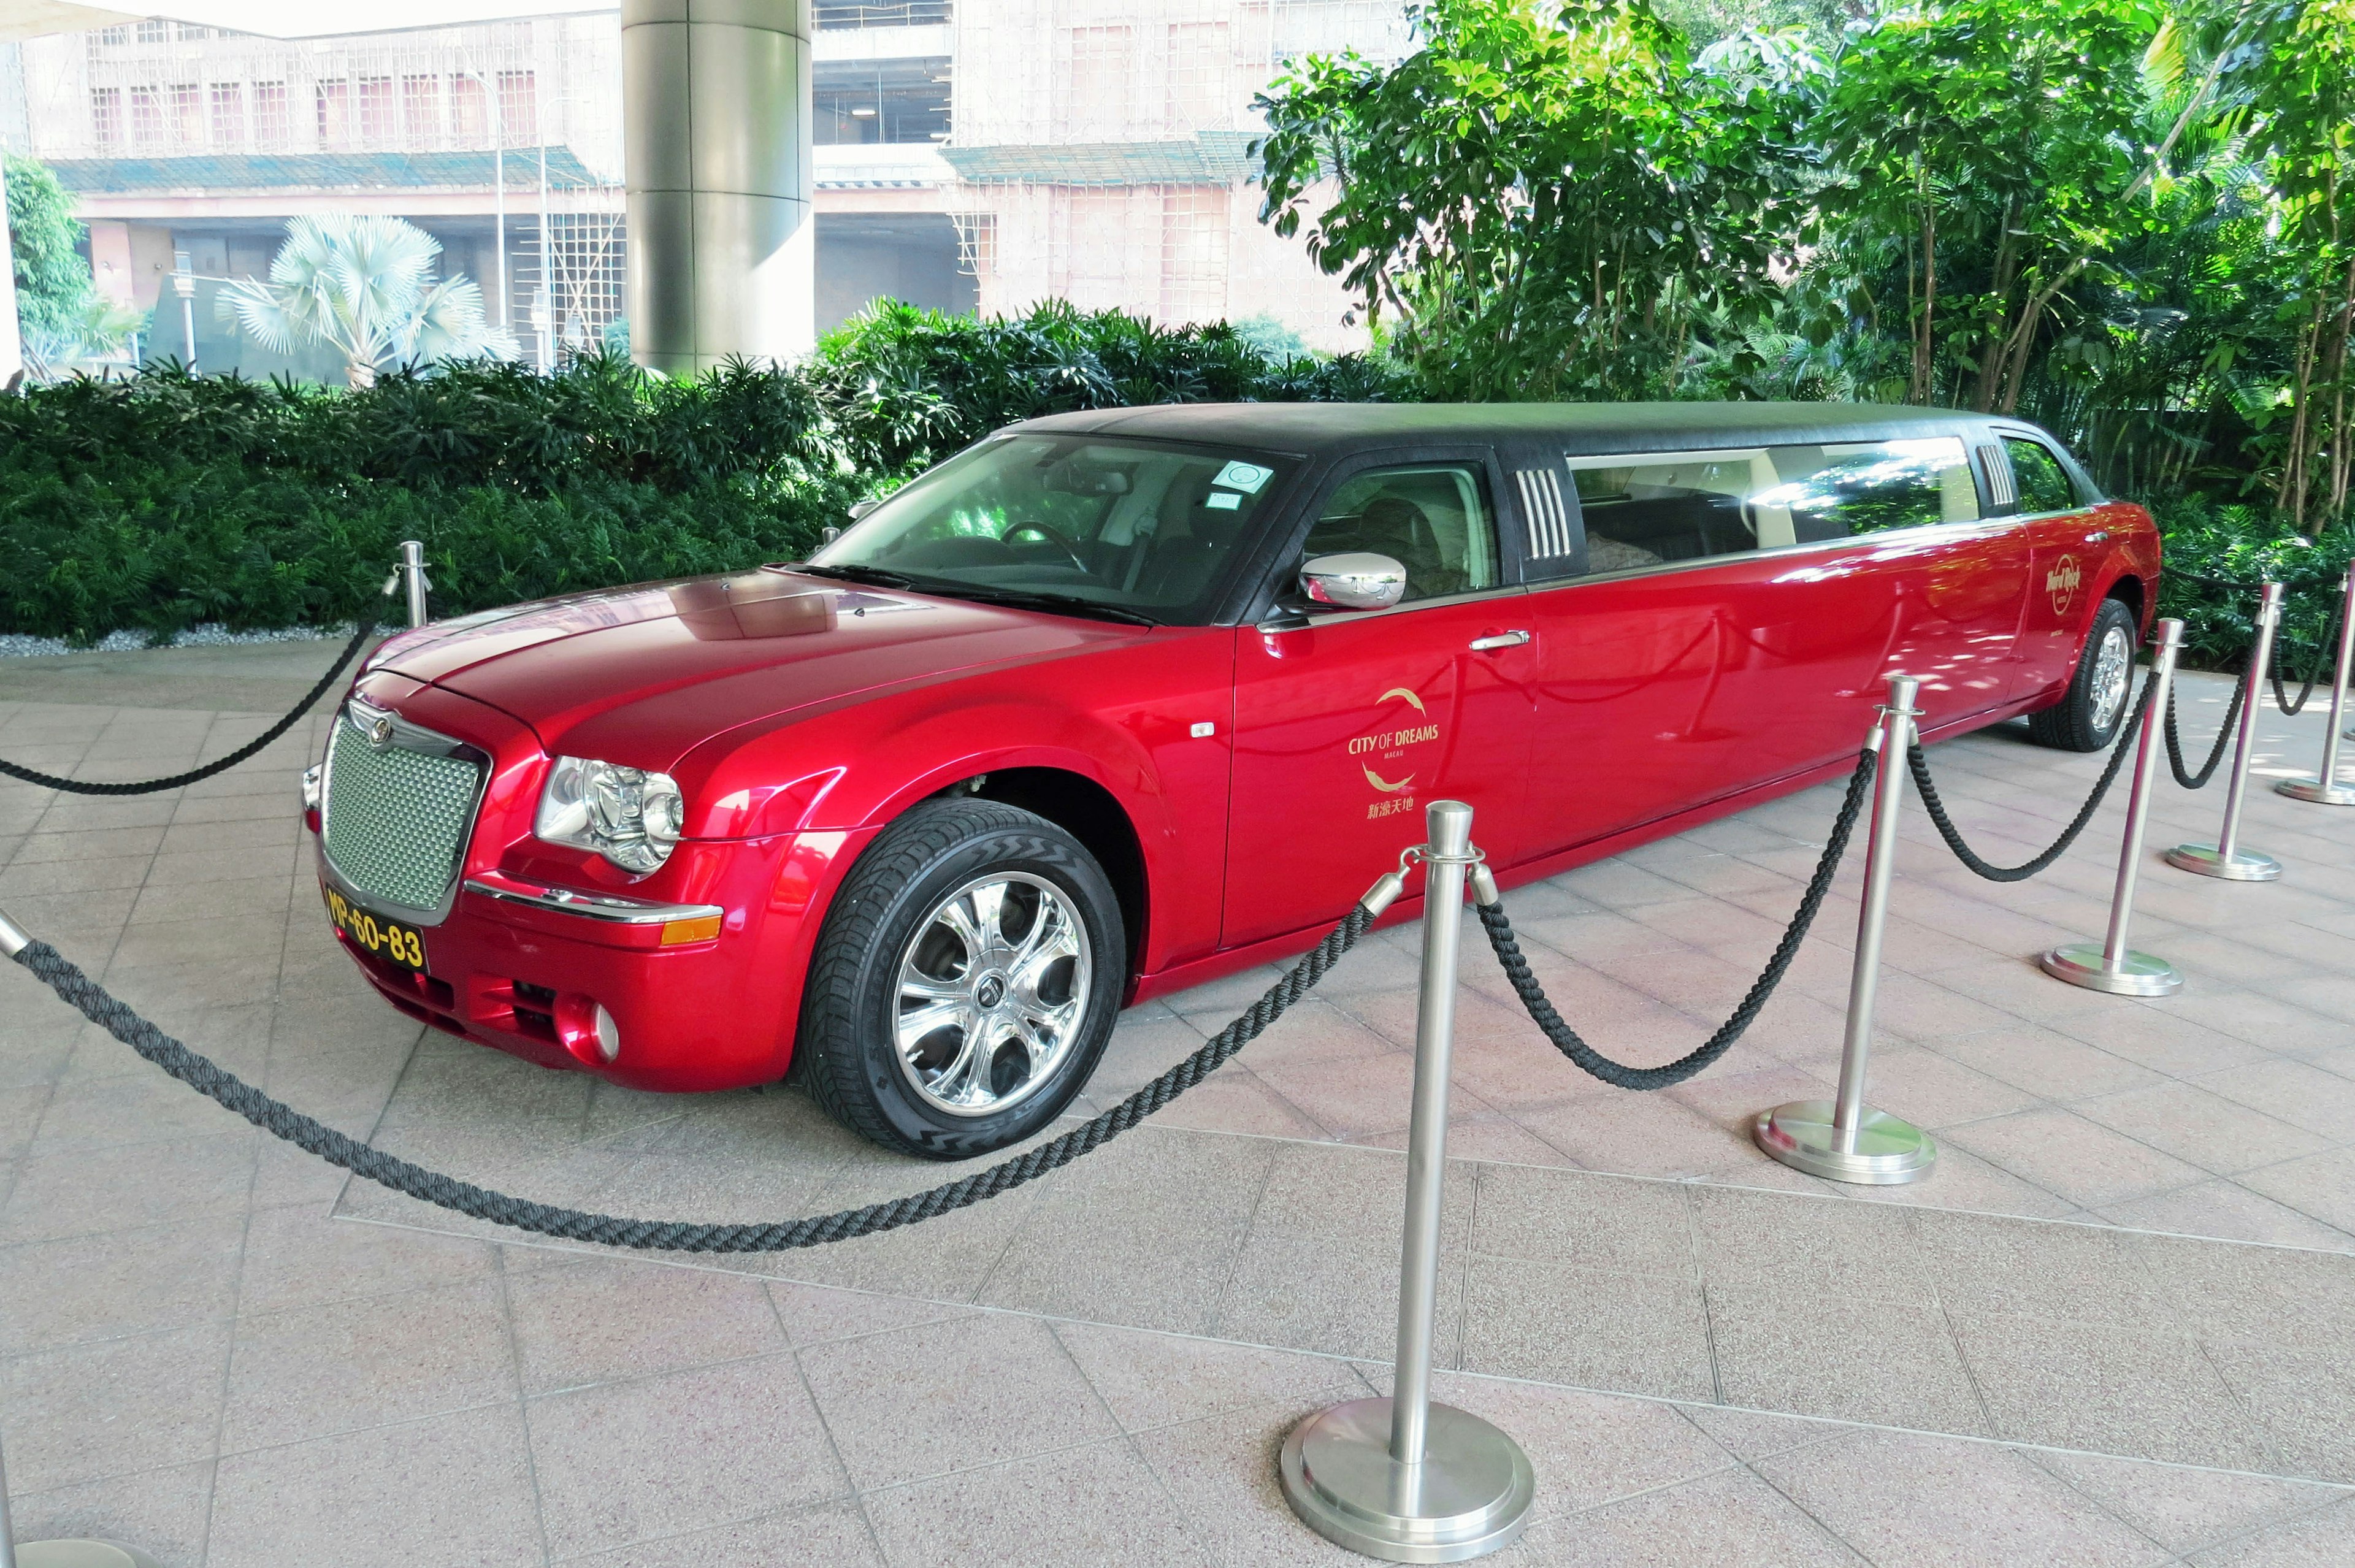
{"type": "Point", "coordinates": [1385, 751]}
{"type": "Point", "coordinates": [1222, 500]}
{"type": "Point", "coordinates": [1244, 477]}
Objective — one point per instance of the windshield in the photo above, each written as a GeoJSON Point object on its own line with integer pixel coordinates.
{"type": "Point", "coordinates": [1125, 525]}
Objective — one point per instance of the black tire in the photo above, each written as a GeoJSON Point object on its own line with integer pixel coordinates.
{"type": "Point", "coordinates": [2078, 723]}
{"type": "Point", "coordinates": [848, 1050]}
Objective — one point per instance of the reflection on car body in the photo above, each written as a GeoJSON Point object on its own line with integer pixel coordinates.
{"type": "Point", "coordinates": [1113, 703]}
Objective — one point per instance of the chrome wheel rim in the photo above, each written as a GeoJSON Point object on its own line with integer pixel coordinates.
{"type": "Point", "coordinates": [2113, 668]}
{"type": "Point", "coordinates": [992, 987]}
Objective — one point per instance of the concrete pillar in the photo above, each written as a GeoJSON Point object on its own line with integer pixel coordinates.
{"type": "Point", "coordinates": [716, 157]}
{"type": "Point", "coordinates": [12, 359]}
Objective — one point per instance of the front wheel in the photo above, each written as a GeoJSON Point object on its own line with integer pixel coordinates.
{"type": "Point", "coordinates": [965, 982]}
{"type": "Point", "coordinates": [2100, 693]}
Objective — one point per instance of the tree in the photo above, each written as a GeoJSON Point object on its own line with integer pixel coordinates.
{"type": "Point", "coordinates": [2304, 102]}
{"type": "Point", "coordinates": [1543, 199]}
{"type": "Point", "coordinates": [365, 287]}
{"type": "Point", "coordinates": [54, 296]}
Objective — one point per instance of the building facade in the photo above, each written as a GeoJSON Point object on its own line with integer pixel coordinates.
{"type": "Point", "coordinates": [970, 154]}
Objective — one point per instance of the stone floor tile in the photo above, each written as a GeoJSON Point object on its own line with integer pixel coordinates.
{"type": "Point", "coordinates": [1608, 1222]}
{"type": "Point", "coordinates": [1232, 1100]}
{"type": "Point", "coordinates": [1186, 1202]}
{"type": "Point", "coordinates": [1799, 1351]}
{"type": "Point", "coordinates": [455, 1488]}
{"type": "Point", "coordinates": [1920, 1502]}
{"type": "Point", "coordinates": [1096, 1507]}
{"type": "Point", "coordinates": [2196, 1123]}
{"type": "Point", "coordinates": [1749, 1434]}
{"type": "Point", "coordinates": [653, 1456]}
{"type": "Point", "coordinates": [1729, 1519]}
{"type": "Point", "coordinates": [2161, 1037]}
{"type": "Point", "coordinates": [309, 1371]}
{"type": "Point", "coordinates": [1763, 1240]}
{"type": "Point", "coordinates": [1645, 1334]}
{"type": "Point", "coordinates": [1634, 1134]}
{"type": "Point", "coordinates": [977, 1391]}
{"type": "Point", "coordinates": [124, 1282]}
{"type": "Point", "coordinates": [2046, 1063]}
{"type": "Point", "coordinates": [2181, 1508]}
{"type": "Point", "coordinates": [298, 1256]}
{"type": "Point", "coordinates": [813, 1314]}
{"type": "Point", "coordinates": [160, 1512]}
{"type": "Point", "coordinates": [1222, 1472]}
{"type": "Point", "coordinates": [2282, 1296]}
{"type": "Point", "coordinates": [2323, 1539]}
{"type": "Point", "coordinates": [85, 1411]}
{"type": "Point", "coordinates": [2068, 1155]}
{"type": "Point", "coordinates": [2319, 1186]}
{"type": "Point", "coordinates": [1962, 1181]}
{"type": "Point", "coordinates": [1586, 1448]}
{"type": "Point", "coordinates": [1986, 1263]}
{"type": "Point", "coordinates": [833, 1535]}
{"type": "Point", "coordinates": [600, 1319]}
{"type": "Point", "coordinates": [2302, 1399]}
{"type": "Point", "coordinates": [2132, 1390]}
{"type": "Point", "coordinates": [1150, 1380]}
{"type": "Point", "coordinates": [2229, 1211]}
{"type": "Point", "coordinates": [2294, 1092]}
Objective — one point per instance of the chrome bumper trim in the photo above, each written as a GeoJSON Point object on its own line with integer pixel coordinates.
{"type": "Point", "coordinates": [612, 908]}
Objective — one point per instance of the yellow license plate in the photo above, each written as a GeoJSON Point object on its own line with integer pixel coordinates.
{"type": "Point", "coordinates": [385, 939]}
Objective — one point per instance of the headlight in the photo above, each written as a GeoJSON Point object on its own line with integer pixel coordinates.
{"type": "Point", "coordinates": [627, 815]}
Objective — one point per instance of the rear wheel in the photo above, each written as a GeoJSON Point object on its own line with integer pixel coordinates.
{"type": "Point", "coordinates": [2100, 693]}
{"type": "Point", "coordinates": [965, 982]}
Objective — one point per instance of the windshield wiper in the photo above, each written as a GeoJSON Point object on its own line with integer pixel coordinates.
{"type": "Point", "coordinates": [1033, 599]}
{"type": "Point", "coordinates": [872, 576]}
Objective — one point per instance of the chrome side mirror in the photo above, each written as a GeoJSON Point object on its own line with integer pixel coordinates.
{"type": "Point", "coordinates": [1357, 580]}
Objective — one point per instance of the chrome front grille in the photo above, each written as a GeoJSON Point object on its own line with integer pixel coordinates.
{"type": "Point", "coordinates": [398, 810]}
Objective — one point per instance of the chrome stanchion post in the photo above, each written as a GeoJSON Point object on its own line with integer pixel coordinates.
{"type": "Point", "coordinates": [1847, 1139]}
{"type": "Point", "coordinates": [410, 574]}
{"type": "Point", "coordinates": [2324, 788]}
{"type": "Point", "coordinates": [2225, 857]}
{"type": "Point", "coordinates": [1402, 1479]}
{"type": "Point", "coordinates": [2114, 967]}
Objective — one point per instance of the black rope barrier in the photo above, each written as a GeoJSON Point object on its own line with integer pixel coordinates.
{"type": "Point", "coordinates": [222, 764]}
{"type": "Point", "coordinates": [1567, 1040]}
{"type": "Point", "coordinates": [1927, 787]}
{"type": "Point", "coordinates": [2223, 736]}
{"type": "Point", "coordinates": [313, 1136]}
{"type": "Point", "coordinates": [2326, 661]}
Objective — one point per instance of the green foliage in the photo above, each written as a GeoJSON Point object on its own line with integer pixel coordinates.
{"type": "Point", "coordinates": [54, 297]}
{"type": "Point", "coordinates": [2245, 546]}
{"type": "Point", "coordinates": [166, 499]}
{"type": "Point", "coordinates": [1544, 198]}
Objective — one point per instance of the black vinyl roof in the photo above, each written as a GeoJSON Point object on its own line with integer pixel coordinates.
{"type": "Point", "coordinates": [1327, 429]}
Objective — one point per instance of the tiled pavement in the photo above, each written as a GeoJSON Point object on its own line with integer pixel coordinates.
{"type": "Point", "coordinates": [215, 1348]}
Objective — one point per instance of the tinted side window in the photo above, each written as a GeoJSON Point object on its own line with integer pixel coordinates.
{"type": "Point", "coordinates": [1433, 519]}
{"type": "Point", "coordinates": [2042, 486]}
{"type": "Point", "coordinates": [1862, 487]}
{"type": "Point", "coordinates": [1644, 510]}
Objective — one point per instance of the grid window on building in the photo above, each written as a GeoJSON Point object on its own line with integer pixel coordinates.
{"type": "Point", "coordinates": [187, 99]}
{"type": "Point", "coordinates": [376, 110]}
{"type": "Point", "coordinates": [1194, 252]}
{"type": "Point", "coordinates": [420, 110]}
{"type": "Point", "coordinates": [273, 126]}
{"type": "Point", "coordinates": [518, 107]}
{"type": "Point", "coordinates": [1093, 98]}
{"type": "Point", "coordinates": [106, 117]}
{"type": "Point", "coordinates": [228, 116]}
{"type": "Point", "coordinates": [146, 117]}
{"type": "Point", "coordinates": [1199, 85]}
{"type": "Point", "coordinates": [335, 113]}
{"type": "Point", "coordinates": [470, 111]}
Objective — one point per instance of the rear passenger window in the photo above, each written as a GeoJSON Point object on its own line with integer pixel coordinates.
{"type": "Point", "coordinates": [1433, 520]}
{"type": "Point", "coordinates": [1864, 487]}
{"type": "Point", "coordinates": [1647, 510]}
{"type": "Point", "coordinates": [1644, 510]}
{"type": "Point", "coordinates": [2044, 487]}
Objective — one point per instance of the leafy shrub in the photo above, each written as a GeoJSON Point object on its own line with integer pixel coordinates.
{"type": "Point", "coordinates": [167, 499]}
{"type": "Point", "coordinates": [2243, 546]}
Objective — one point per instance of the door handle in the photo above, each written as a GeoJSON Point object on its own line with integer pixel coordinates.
{"type": "Point", "coordinates": [2099, 536]}
{"type": "Point", "coordinates": [1501, 640]}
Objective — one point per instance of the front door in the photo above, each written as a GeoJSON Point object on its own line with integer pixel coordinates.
{"type": "Point", "coordinates": [2071, 549]}
{"type": "Point", "coordinates": [1347, 728]}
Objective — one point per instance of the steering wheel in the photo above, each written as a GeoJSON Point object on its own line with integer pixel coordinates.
{"type": "Point", "coordinates": [1051, 536]}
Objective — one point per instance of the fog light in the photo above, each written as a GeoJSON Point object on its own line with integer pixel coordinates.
{"type": "Point", "coordinates": [609, 1033]}
{"type": "Point", "coordinates": [311, 786]}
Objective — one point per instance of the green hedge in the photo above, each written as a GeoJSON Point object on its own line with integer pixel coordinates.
{"type": "Point", "coordinates": [165, 500]}
{"type": "Point", "coordinates": [2245, 545]}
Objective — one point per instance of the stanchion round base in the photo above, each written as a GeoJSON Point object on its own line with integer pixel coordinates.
{"type": "Point", "coordinates": [2314, 790]}
{"type": "Point", "coordinates": [2241, 866]}
{"type": "Point", "coordinates": [1469, 1496]}
{"type": "Point", "coordinates": [82, 1554]}
{"type": "Point", "coordinates": [1885, 1153]}
{"type": "Point", "coordinates": [2141, 975]}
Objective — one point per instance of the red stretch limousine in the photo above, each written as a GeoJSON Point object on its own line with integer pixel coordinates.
{"type": "Point", "coordinates": [1113, 703]}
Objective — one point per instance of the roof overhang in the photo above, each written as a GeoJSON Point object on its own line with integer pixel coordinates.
{"type": "Point", "coordinates": [282, 19]}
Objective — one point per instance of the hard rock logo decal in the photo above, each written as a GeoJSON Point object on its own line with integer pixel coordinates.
{"type": "Point", "coordinates": [2062, 582]}
{"type": "Point", "coordinates": [1386, 751]}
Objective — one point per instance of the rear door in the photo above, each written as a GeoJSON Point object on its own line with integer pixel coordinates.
{"type": "Point", "coordinates": [2070, 544]}
{"type": "Point", "coordinates": [1349, 724]}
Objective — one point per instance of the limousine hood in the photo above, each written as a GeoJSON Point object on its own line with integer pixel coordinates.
{"type": "Point", "coordinates": [643, 675]}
